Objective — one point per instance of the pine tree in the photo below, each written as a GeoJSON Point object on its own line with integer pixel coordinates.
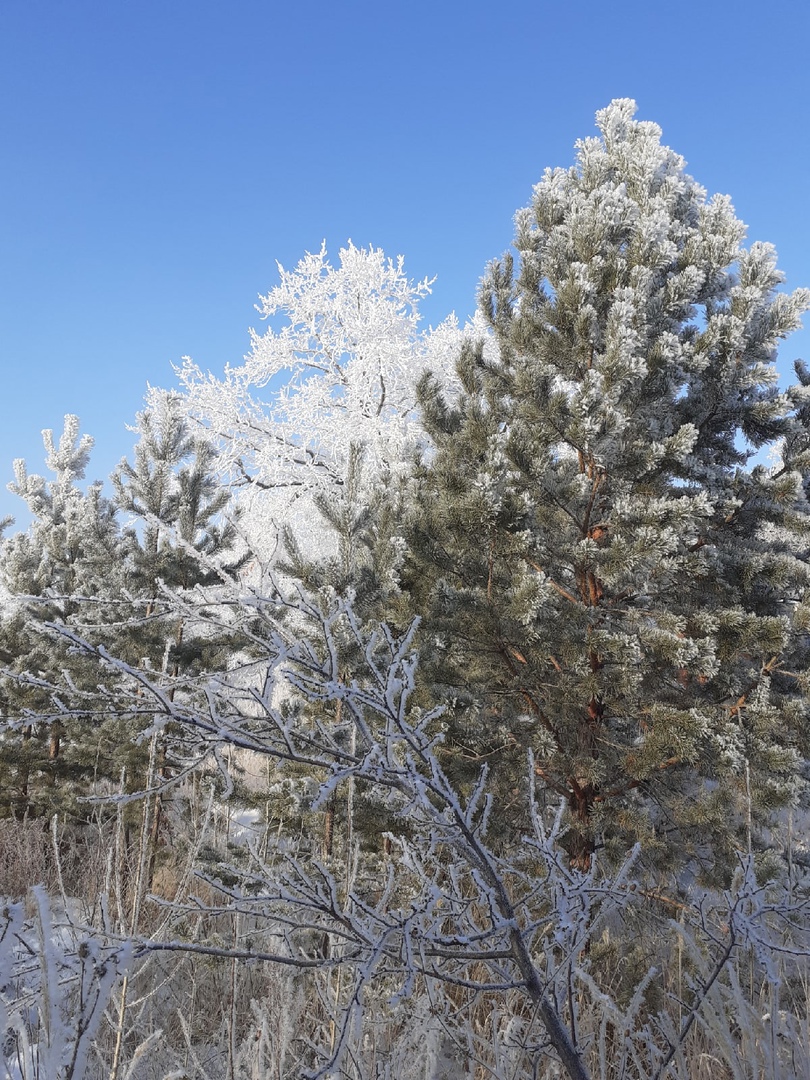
{"type": "Point", "coordinates": [175, 505]}
{"type": "Point", "coordinates": [77, 566]}
{"type": "Point", "coordinates": [610, 578]}
{"type": "Point", "coordinates": [64, 568]}
{"type": "Point", "coordinates": [362, 531]}
{"type": "Point", "coordinates": [177, 533]}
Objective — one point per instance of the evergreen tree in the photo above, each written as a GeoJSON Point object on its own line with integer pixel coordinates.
{"type": "Point", "coordinates": [76, 566]}
{"type": "Point", "coordinates": [362, 531]}
{"type": "Point", "coordinates": [608, 577]}
{"type": "Point", "coordinates": [177, 533]}
{"type": "Point", "coordinates": [175, 504]}
{"type": "Point", "coordinates": [66, 567]}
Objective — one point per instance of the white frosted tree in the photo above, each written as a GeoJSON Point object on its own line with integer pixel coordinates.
{"type": "Point", "coordinates": [339, 372]}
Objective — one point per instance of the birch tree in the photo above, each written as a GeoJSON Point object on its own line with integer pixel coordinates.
{"type": "Point", "coordinates": [336, 369]}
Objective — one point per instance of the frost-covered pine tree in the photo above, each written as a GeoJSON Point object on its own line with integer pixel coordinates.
{"type": "Point", "coordinates": [609, 576]}
{"type": "Point", "coordinates": [177, 528]}
{"type": "Point", "coordinates": [81, 567]}
{"type": "Point", "coordinates": [175, 502]}
{"type": "Point", "coordinates": [65, 567]}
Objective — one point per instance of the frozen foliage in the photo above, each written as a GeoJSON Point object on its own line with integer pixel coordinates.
{"type": "Point", "coordinates": [70, 537]}
{"type": "Point", "coordinates": [340, 371]}
{"type": "Point", "coordinates": [607, 575]}
{"type": "Point", "coordinates": [450, 909]}
{"type": "Point", "coordinates": [55, 984]}
{"type": "Point", "coordinates": [491, 723]}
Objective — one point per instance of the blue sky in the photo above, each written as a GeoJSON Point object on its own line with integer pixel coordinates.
{"type": "Point", "coordinates": [160, 156]}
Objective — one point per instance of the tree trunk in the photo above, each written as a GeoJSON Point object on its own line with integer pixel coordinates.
{"type": "Point", "coordinates": [328, 841]}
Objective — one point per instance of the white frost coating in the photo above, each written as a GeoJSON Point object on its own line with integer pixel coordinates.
{"type": "Point", "coordinates": [56, 981]}
{"type": "Point", "coordinates": [340, 371]}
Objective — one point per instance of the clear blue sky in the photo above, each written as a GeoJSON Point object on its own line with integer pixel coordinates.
{"type": "Point", "coordinates": [158, 156]}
